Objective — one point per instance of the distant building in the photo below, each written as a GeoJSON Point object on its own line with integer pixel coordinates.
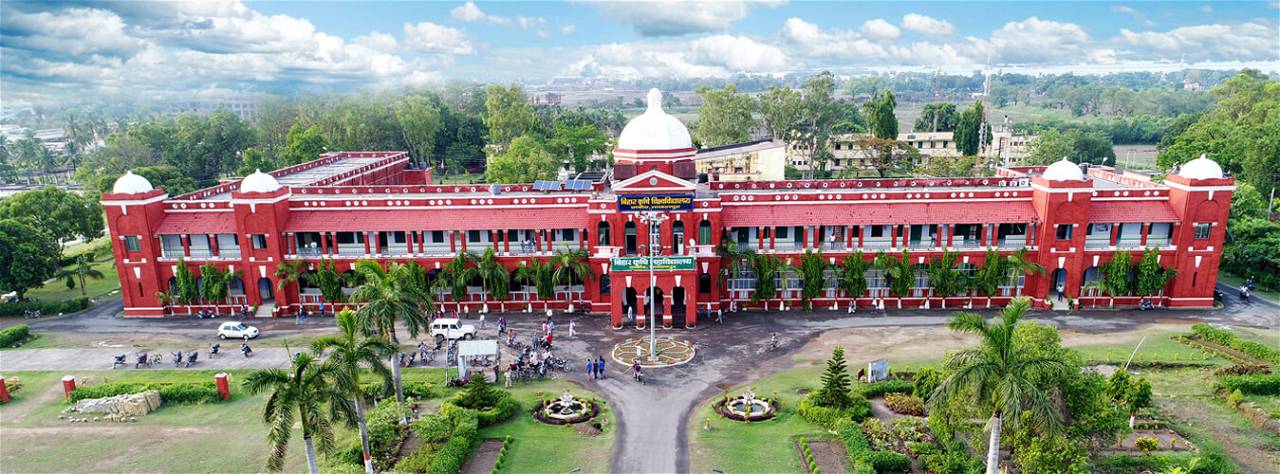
{"type": "Point", "coordinates": [246, 109]}
{"type": "Point", "coordinates": [759, 160]}
{"type": "Point", "coordinates": [1006, 148]}
{"type": "Point", "coordinates": [550, 98]}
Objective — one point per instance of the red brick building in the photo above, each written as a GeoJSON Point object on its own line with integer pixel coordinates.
{"type": "Point", "coordinates": [350, 206]}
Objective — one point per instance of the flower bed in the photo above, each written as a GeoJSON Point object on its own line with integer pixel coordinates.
{"type": "Point", "coordinates": [590, 413]}
{"type": "Point", "coordinates": [1227, 338]}
{"type": "Point", "coordinates": [904, 404]}
{"type": "Point", "coordinates": [721, 408]}
{"type": "Point", "coordinates": [179, 393]}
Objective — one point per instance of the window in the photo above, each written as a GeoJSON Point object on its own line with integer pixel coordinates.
{"type": "Point", "coordinates": [1064, 231]}
{"type": "Point", "coordinates": [259, 241]}
{"type": "Point", "coordinates": [437, 236]}
{"type": "Point", "coordinates": [132, 243]}
{"type": "Point", "coordinates": [1202, 230]}
{"type": "Point", "coordinates": [704, 283]}
{"type": "Point", "coordinates": [602, 233]}
{"type": "Point", "coordinates": [704, 232]}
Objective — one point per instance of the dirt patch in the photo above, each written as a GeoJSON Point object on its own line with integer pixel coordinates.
{"type": "Point", "coordinates": [587, 429]}
{"type": "Point", "coordinates": [829, 455]}
{"type": "Point", "coordinates": [484, 459]}
{"type": "Point", "coordinates": [1169, 441]}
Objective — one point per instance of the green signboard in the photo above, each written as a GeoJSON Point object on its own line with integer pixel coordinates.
{"type": "Point", "coordinates": [662, 263]}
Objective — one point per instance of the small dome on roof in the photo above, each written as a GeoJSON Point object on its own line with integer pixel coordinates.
{"type": "Point", "coordinates": [130, 183]}
{"type": "Point", "coordinates": [259, 182]}
{"type": "Point", "coordinates": [1063, 170]}
{"type": "Point", "coordinates": [655, 129]}
{"type": "Point", "coordinates": [1201, 168]}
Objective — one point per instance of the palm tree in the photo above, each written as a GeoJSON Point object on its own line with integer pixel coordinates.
{"type": "Point", "coordinates": [900, 272]}
{"type": "Point", "coordinates": [945, 279]}
{"type": "Point", "coordinates": [993, 272]}
{"type": "Point", "coordinates": [539, 274]}
{"type": "Point", "coordinates": [301, 394]}
{"type": "Point", "coordinates": [213, 284]}
{"type": "Point", "coordinates": [350, 351]}
{"type": "Point", "coordinates": [82, 269]}
{"type": "Point", "coordinates": [812, 270]}
{"type": "Point", "coordinates": [455, 275]}
{"type": "Point", "coordinates": [288, 273]}
{"type": "Point", "coordinates": [853, 276]}
{"type": "Point", "coordinates": [493, 275]}
{"type": "Point", "coordinates": [998, 376]}
{"type": "Point", "coordinates": [387, 296]}
{"type": "Point", "coordinates": [571, 266]}
{"type": "Point", "coordinates": [735, 258]}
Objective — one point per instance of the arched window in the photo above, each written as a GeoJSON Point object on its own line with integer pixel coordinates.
{"type": "Point", "coordinates": [602, 234]}
{"type": "Point", "coordinates": [605, 286]}
{"type": "Point", "coordinates": [704, 283]}
{"type": "Point", "coordinates": [677, 237]}
{"type": "Point", "coordinates": [704, 232]}
{"type": "Point", "coordinates": [629, 235]}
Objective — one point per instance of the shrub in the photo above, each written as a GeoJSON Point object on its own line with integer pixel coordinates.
{"type": "Point", "coordinates": [1235, 398]}
{"type": "Point", "coordinates": [925, 382]}
{"type": "Point", "coordinates": [1244, 369]}
{"type": "Point", "coordinates": [177, 393]}
{"type": "Point", "coordinates": [1229, 339]}
{"type": "Point", "coordinates": [385, 430]}
{"type": "Point", "coordinates": [419, 461]}
{"type": "Point", "coordinates": [432, 428]}
{"type": "Point", "coordinates": [450, 457]}
{"type": "Point", "coordinates": [888, 461]}
{"type": "Point", "coordinates": [873, 390]}
{"type": "Point", "coordinates": [47, 308]}
{"type": "Point", "coordinates": [904, 404]}
{"type": "Point", "coordinates": [1251, 384]}
{"type": "Point", "coordinates": [14, 335]}
{"type": "Point", "coordinates": [878, 435]}
{"type": "Point", "coordinates": [1146, 444]}
{"type": "Point", "coordinates": [503, 409]}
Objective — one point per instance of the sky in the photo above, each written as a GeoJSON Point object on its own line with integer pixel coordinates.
{"type": "Point", "coordinates": [53, 50]}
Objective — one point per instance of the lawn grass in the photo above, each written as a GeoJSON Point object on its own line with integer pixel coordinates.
{"type": "Point", "coordinates": [56, 290]}
{"type": "Point", "coordinates": [464, 178]}
{"type": "Point", "coordinates": [1158, 346]}
{"type": "Point", "coordinates": [1236, 281]}
{"type": "Point", "coordinates": [539, 447]}
{"type": "Point", "coordinates": [766, 446]}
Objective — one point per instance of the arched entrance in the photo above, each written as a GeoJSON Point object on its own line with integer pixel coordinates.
{"type": "Point", "coordinates": [264, 290]}
{"type": "Point", "coordinates": [677, 238]}
{"type": "Point", "coordinates": [629, 302]}
{"type": "Point", "coordinates": [629, 238]}
{"type": "Point", "coordinates": [654, 295]}
{"type": "Point", "coordinates": [677, 300]}
{"type": "Point", "coordinates": [1058, 286]}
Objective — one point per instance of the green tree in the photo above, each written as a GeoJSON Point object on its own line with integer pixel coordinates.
{"type": "Point", "coordinates": [303, 144]}
{"type": "Point", "coordinates": [937, 117]}
{"type": "Point", "coordinates": [1241, 131]}
{"type": "Point", "coordinates": [81, 270]}
{"type": "Point", "coordinates": [28, 256]}
{"type": "Point", "coordinates": [881, 120]}
{"type": "Point", "coordinates": [812, 270]}
{"type": "Point", "coordinates": [1116, 280]}
{"type": "Point", "coordinates": [887, 156]}
{"type": "Point", "coordinates": [993, 272]}
{"type": "Point", "coordinates": [766, 268]}
{"type": "Point", "coordinates": [945, 278]}
{"type": "Point", "coordinates": [820, 113]}
{"type": "Point", "coordinates": [494, 276]}
{"type": "Point", "coordinates": [507, 113]}
{"type": "Point", "coordinates": [329, 281]}
{"type": "Point", "coordinates": [161, 176]}
{"type": "Point", "coordinates": [205, 148]}
{"type": "Point", "coordinates": [969, 138]}
{"type": "Point", "coordinates": [724, 117]}
{"type": "Point", "coordinates": [1246, 201]}
{"type": "Point", "coordinates": [836, 388]}
{"type": "Point", "coordinates": [352, 352]}
{"type": "Point", "coordinates": [735, 258]}
{"type": "Point", "coordinates": [253, 160]}
{"type": "Point", "coordinates": [576, 144]}
{"type": "Point", "coordinates": [420, 122]}
{"type": "Point", "coordinates": [385, 296]}
{"type": "Point", "coordinates": [571, 266]}
{"type": "Point", "coordinates": [900, 272]}
{"type": "Point", "coordinates": [524, 161]}
{"type": "Point", "coordinates": [1076, 145]}
{"type": "Point", "coordinates": [1152, 278]}
{"type": "Point", "coordinates": [455, 275]}
{"type": "Point", "coordinates": [288, 273]}
{"type": "Point", "coordinates": [540, 275]}
{"type": "Point", "coordinates": [64, 215]}
{"type": "Point", "coordinates": [1052, 455]}
{"type": "Point", "coordinates": [213, 284]}
{"type": "Point", "coordinates": [853, 276]}
{"type": "Point", "coordinates": [187, 291]}
{"type": "Point", "coordinates": [998, 376]}
{"type": "Point", "coordinates": [780, 108]}
{"type": "Point", "coordinates": [309, 394]}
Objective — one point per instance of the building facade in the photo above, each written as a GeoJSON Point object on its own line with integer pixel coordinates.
{"type": "Point", "coordinates": [347, 207]}
{"type": "Point", "coordinates": [759, 160]}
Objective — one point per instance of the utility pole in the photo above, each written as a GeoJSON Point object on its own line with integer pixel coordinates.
{"type": "Point", "coordinates": [653, 220]}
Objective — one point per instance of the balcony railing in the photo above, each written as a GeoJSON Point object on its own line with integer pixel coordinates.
{"type": "Point", "coordinates": [1097, 243]}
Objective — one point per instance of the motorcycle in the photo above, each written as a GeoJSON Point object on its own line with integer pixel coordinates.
{"type": "Point", "coordinates": [142, 361]}
{"type": "Point", "coordinates": [177, 358]}
{"type": "Point", "coordinates": [191, 358]}
{"type": "Point", "coordinates": [1245, 293]}
{"type": "Point", "coordinates": [244, 349]}
{"type": "Point", "coordinates": [213, 349]}
{"type": "Point", "coordinates": [119, 362]}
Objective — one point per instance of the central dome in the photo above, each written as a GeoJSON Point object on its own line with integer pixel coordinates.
{"type": "Point", "coordinates": [259, 182]}
{"type": "Point", "coordinates": [655, 129]}
{"type": "Point", "coordinates": [1063, 170]}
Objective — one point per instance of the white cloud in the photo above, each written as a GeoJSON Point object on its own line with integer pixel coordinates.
{"type": "Point", "coordinates": [377, 40]}
{"type": "Point", "coordinates": [880, 30]}
{"type": "Point", "coordinates": [1206, 9]}
{"type": "Point", "coordinates": [712, 56]}
{"type": "Point", "coordinates": [429, 37]}
{"type": "Point", "coordinates": [925, 25]}
{"type": "Point", "coordinates": [1034, 41]}
{"type": "Point", "coordinates": [1123, 9]}
{"type": "Point", "coordinates": [1253, 41]}
{"type": "Point", "coordinates": [674, 18]}
{"type": "Point", "coordinates": [737, 53]}
{"type": "Point", "coordinates": [72, 31]}
{"type": "Point", "coordinates": [568, 29]}
{"type": "Point", "coordinates": [469, 12]}
{"type": "Point", "coordinates": [811, 40]}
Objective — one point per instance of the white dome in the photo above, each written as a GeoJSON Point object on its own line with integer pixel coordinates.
{"type": "Point", "coordinates": [1201, 168]}
{"type": "Point", "coordinates": [654, 129]}
{"type": "Point", "coordinates": [1063, 170]}
{"type": "Point", "coordinates": [259, 182]}
{"type": "Point", "coordinates": [130, 183]}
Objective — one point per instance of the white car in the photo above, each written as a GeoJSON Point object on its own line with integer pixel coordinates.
{"type": "Point", "coordinates": [236, 330]}
{"type": "Point", "coordinates": [451, 328]}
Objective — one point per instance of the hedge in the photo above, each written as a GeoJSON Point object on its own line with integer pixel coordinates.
{"type": "Point", "coordinates": [179, 393]}
{"type": "Point", "coordinates": [14, 335]}
{"type": "Point", "coordinates": [505, 408]}
{"type": "Point", "coordinates": [877, 389]}
{"type": "Point", "coordinates": [448, 459]}
{"type": "Point", "coordinates": [47, 308]}
{"type": "Point", "coordinates": [863, 459]}
{"type": "Point", "coordinates": [826, 416]}
{"type": "Point", "coordinates": [416, 390]}
{"type": "Point", "coordinates": [1251, 384]}
{"type": "Point", "coordinates": [1229, 339]}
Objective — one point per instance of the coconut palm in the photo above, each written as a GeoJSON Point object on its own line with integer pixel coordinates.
{"type": "Point", "coordinates": [386, 296]}
{"type": "Point", "coordinates": [351, 351]}
{"type": "Point", "coordinates": [900, 272]}
{"type": "Point", "coordinates": [945, 278]}
{"type": "Point", "coordinates": [308, 394]}
{"type": "Point", "coordinates": [570, 266]}
{"type": "Point", "coordinates": [539, 274]}
{"type": "Point", "coordinates": [288, 273]}
{"type": "Point", "coordinates": [767, 268]}
{"type": "Point", "coordinates": [734, 258]}
{"type": "Point", "coordinates": [998, 376]}
{"type": "Point", "coordinates": [493, 275]}
{"type": "Point", "coordinates": [993, 272]}
{"type": "Point", "coordinates": [455, 276]}
{"type": "Point", "coordinates": [82, 270]}
{"type": "Point", "coordinates": [812, 270]}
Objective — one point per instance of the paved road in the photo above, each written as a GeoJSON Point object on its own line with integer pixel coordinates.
{"type": "Point", "coordinates": [651, 419]}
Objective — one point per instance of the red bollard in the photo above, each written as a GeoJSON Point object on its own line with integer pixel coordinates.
{"type": "Point", "coordinates": [224, 388]}
{"type": "Point", "coordinates": [4, 391]}
{"type": "Point", "coordinates": [68, 385]}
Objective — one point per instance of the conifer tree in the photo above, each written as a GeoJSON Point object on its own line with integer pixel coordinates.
{"type": "Point", "coordinates": [835, 382]}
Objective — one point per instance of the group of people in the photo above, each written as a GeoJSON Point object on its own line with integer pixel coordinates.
{"type": "Point", "coordinates": [595, 368]}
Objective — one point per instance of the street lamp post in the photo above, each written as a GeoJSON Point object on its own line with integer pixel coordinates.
{"type": "Point", "coordinates": [654, 221]}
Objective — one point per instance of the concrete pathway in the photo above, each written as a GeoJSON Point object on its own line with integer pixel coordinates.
{"type": "Point", "coordinates": [228, 357]}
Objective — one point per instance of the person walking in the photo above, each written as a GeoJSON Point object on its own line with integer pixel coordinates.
{"type": "Point", "coordinates": [591, 368]}
{"type": "Point", "coordinates": [572, 327]}
{"type": "Point", "coordinates": [481, 320]}
{"type": "Point", "coordinates": [600, 366]}
{"type": "Point", "coordinates": [502, 324]}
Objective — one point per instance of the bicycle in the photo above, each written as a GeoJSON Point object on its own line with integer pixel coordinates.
{"type": "Point", "coordinates": [32, 314]}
